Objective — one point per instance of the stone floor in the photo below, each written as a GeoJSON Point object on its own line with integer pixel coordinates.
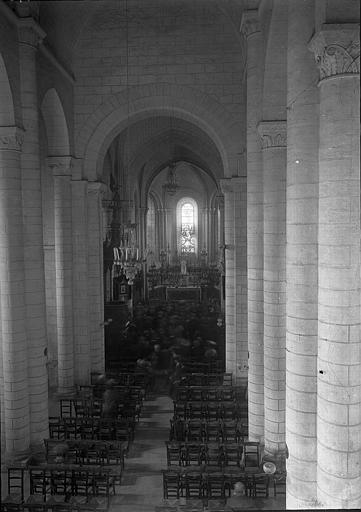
{"type": "Point", "coordinates": [141, 489]}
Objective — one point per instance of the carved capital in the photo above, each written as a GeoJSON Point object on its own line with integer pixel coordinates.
{"type": "Point", "coordinates": [60, 165]}
{"type": "Point", "coordinates": [11, 138]}
{"type": "Point", "coordinates": [273, 134]}
{"type": "Point", "coordinates": [238, 183]}
{"type": "Point", "coordinates": [30, 33]}
{"type": "Point", "coordinates": [250, 23]}
{"type": "Point", "coordinates": [220, 200]}
{"type": "Point", "coordinates": [231, 185]}
{"type": "Point", "coordinates": [337, 50]}
{"type": "Point", "coordinates": [25, 9]}
{"type": "Point", "coordinates": [97, 188]}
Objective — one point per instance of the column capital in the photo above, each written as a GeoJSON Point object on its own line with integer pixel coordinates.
{"type": "Point", "coordinates": [337, 50]}
{"type": "Point", "coordinates": [60, 165]}
{"type": "Point", "coordinates": [273, 134]}
{"type": "Point", "coordinates": [234, 184]}
{"type": "Point", "coordinates": [30, 32]}
{"type": "Point", "coordinates": [220, 200]}
{"type": "Point", "coordinates": [250, 23]}
{"type": "Point", "coordinates": [11, 138]}
{"type": "Point", "coordinates": [97, 187]}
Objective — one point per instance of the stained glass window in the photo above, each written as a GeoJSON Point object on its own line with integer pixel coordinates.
{"type": "Point", "coordinates": [188, 240]}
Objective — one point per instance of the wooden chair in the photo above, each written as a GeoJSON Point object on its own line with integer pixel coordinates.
{"type": "Point", "coordinates": [194, 454]}
{"type": "Point", "coordinates": [213, 431]}
{"type": "Point", "coordinates": [174, 453]}
{"type": "Point", "coordinates": [279, 484]}
{"type": "Point", "coordinates": [66, 407]}
{"type": "Point", "coordinates": [233, 454]}
{"type": "Point", "coordinates": [40, 483]}
{"type": "Point", "coordinates": [215, 485]}
{"type": "Point", "coordinates": [171, 484]}
{"type": "Point", "coordinates": [61, 482]}
{"type": "Point", "coordinates": [213, 455]}
{"type": "Point", "coordinates": [57, 429]}
{"type": "Point", "coordinates": [194, 431]}
{"type": "Point", "coordinates": [260, 485]}
{"type": "Point", "coordinates": [195, 485]}
{"type": "Point", "coordinates": [14, 500]}
{"type": "Point", "coordinates": [251, 454]}
{"type": "Point", "coordinates": [83, 485]}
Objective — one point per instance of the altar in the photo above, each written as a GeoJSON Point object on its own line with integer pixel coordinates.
{"type": "Point", "coordinates": [188, 294]}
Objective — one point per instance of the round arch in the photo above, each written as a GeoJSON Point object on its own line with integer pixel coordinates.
{"type": "Point", "coordinates": [186, 103]}
{"type": "Point", "coordinates": [55, 124]}
{"type": "Point", "coordinates": [164, 165]}
{"type": "Point", "coordinates": [7, 117]}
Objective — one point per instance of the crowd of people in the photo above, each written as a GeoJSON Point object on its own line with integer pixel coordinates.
{"type": "Point", "coordinates": [161, 339]}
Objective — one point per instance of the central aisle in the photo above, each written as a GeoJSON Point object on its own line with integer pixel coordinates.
{"type": "Point", "coordinates": [142, 483]}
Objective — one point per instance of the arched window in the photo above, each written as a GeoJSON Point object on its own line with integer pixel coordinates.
{"type": "Point", "coordinates": [187, 226]}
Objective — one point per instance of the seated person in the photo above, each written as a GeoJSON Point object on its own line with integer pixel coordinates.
{"type": "Point", "coordinates": [197, 349]}
{"type": "Point", "coordinates": [240, 501]}
{"type": "Point", "coordinates": [111, 400]}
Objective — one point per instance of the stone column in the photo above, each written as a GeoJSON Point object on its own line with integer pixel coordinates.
{"type": "Point", "coordinates": [250, 29]}
{"type": "Point", "coordinates": [213, 241]}
{"type": "Point", "coordinates": [15, 404]}
{"type": "Point", "coordinates": [205, 223]}
{"type": "Point", "coordinates": [230, 321]}
{"type": "Point", "coordinates": [142, 248]}
{"type": "Point", "coordinates": [47, 187]}
{"type": "Point", "coordinates": [301, 259]}
{"type": "Point", "coordinates": [337, 52]}
{"type": "Point", "coordinates": [30, 34]}
{"type": "Point", "coordinates": [61, 169]}
{"type": "Point", "coordinates": [273, 139]}
{"type": "Point", "coordinates": [161, 243]}
{"type": "Point", "coordinates": [221, 250]}
{"type": "Point", "coordinates": [82, 362]}
{"type": "Point", "coordinates": [95, 276]}
{"type": "Point", "coordinates": [234, 191]}
{"type": "Point", "coordinates": [169, 242]}
{"type": "Point", "coordinates": [142, 230]}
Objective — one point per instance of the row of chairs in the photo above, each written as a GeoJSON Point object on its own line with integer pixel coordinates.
{"type": "Point", "coordinates": [53, 505]}
{"type": "Point", "coordinates": [81, 407]}
{"type": "Point", "coordinates": [59, 487]}
{"type": "Point", "coordinates": [125, 378]}
{"type": "Point", "coordinates": [209, 410]}
{"type": "Point", "coordinates": [210, 485]}
{"type": "Point", "coordinates": [208, 393]}
{"type": "Point", "coordinates": [215, 366]}
{"type": "Point", "coordinates": [91, 428]}
{"type": "Point", "coordinates": [205, 431]}
{"type": "Point", "coordinates": [192, 378]}
{"type": "Point", "coordinates": [132, 393]}
{"type": "Point", "coordinates": [70, 480]}
{"type": "Point", "coordinates": [245, 454]}
{"type": "Point", "coordinates": [78, 451]}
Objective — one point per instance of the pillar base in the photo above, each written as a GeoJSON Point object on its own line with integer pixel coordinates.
{"type": "Point", "coordinates": [18, 458]}
{"type": "Point", "coordinates": [64, 392]}
{"type": "Point", "coordinates": [279, 459]}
